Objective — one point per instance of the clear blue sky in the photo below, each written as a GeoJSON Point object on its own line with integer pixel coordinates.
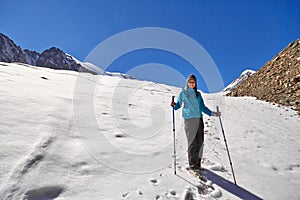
{"type": "Point", "coordinates": [237, 34]}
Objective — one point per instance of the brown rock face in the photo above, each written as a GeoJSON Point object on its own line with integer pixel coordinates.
{"type": "Point", "coordinates": [277, 81]}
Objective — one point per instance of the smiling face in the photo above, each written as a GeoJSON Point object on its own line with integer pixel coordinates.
{"type": "Point", "coordinates": [192, 84]}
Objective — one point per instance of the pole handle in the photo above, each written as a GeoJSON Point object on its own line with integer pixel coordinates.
{"type": "Point", "coordinates": [173, 97]}
{"type": "Point", "coordinates": [217, 108]}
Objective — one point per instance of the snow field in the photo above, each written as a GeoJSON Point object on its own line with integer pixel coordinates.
{"type": "Point", "coordinates": [45, 154]}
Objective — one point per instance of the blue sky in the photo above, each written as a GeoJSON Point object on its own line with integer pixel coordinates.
{"type": "Point", "coordinates": [237, 34]}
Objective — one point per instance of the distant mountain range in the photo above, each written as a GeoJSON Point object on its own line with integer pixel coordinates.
{"type": "Point", "coordinates": [53, 58]}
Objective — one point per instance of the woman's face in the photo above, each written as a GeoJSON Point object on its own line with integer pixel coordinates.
{"type": "Point", "coordinates": [192, 84]}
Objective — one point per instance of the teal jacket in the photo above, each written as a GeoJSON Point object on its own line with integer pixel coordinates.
{"type": "Point", "coordinates": [193, 106]}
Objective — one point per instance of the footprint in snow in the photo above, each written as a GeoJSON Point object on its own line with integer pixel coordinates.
{"type": "Point", "coordinates": [126, 194]}
{"type": "Point", "coordinates": [219, 168]}
{"type": "Point", "coordinates": [172, 192]}
{"type": "Point", "coordinates": [187, 194]}
{"type": "Point", "coordinates": [44, 193]}
{"type": "Point", "coordinates": [120, 135]}
{"type": "Point", "coordinates": [292, 167]}
{"type": "Point", "coordinates": [180, 167]}
{"type": "Point", "coordinates": [154, 181]}
{"type": "Point", "coordinates": [139, 192]}
{"type": "Point", "coordinates": [217, 138]}
{"type": "Point", "coordinates": [79, 164]}
{"type": "Point", "coordinates": [82, 168]}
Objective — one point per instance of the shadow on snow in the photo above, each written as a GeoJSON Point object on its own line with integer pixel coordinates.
{"type": "Point", "coordinates": [229, 186]}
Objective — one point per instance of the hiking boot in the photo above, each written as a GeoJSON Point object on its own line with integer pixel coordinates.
{"type": "Point", "coordinates": [200, 168]}
{"type": "Point", "coordinates": [197, 171]}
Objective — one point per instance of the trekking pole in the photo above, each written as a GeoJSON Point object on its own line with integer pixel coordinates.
{"type": "Point", "coordinates": [174, 137]}
{"type": "Point", "coordinates": [226, 147]}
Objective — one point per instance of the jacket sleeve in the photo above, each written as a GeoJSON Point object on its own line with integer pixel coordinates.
{"type": "Point", "coordinates": [204, 108]}
{"type": "Point", "coordinates": [179, 102]}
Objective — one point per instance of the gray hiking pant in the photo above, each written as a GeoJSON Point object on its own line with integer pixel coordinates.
{"type": "Point", "coordinates": [194, 129]}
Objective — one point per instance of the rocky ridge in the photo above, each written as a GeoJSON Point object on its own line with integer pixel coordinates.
{"type": "Point", "coordinates": [53, 58]}
{"type": "Point", "coordinates": [277, 81]}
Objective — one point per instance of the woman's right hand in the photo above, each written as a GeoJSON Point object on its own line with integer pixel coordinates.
{"type": "Point", "coordinates": [173, 104]}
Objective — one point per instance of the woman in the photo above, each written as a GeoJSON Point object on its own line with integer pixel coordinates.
{"type": "Point", "coordinates": [193, 122]}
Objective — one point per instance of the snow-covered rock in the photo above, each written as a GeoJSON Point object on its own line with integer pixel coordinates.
{"type": "Point", "coordinates": [97, 70]}
{"type": "Point", "coordinates": [234, 84]}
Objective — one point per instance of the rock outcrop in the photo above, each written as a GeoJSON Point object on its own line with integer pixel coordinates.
{"type": "Point", "coordinates": [277, 81]}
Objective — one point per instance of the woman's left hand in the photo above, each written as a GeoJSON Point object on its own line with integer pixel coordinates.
{"type": "Point", "coordinates": [217, 114]}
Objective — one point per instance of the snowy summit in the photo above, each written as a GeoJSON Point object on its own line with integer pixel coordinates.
{"type": "Point", "coordinates": [234, 84]}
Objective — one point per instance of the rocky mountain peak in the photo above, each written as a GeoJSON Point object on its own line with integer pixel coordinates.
{"type": "Point", "coordinates": [9, 51]}
{"type": "Point", "coordinates": [53, 58]}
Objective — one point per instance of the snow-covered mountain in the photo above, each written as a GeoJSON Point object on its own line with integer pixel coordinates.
{"type": "Point", "coordinates": [234, 84]}
{"type": "Point", "coordinates": [125, 149]}
{"type": "Point", "coordinates": [53, 58]}
{"type": "Point", "coordinates": [98, 70]}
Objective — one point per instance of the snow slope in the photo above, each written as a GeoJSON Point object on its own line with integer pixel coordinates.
{"type": "Point", "coordinates": [45, 153]}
